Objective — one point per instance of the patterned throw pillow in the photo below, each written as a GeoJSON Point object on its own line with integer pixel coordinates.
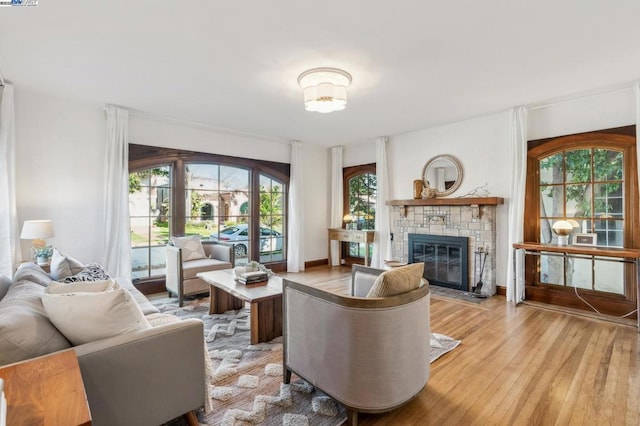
{"type": "Point", "coordinates": [91, 272]}
{"type": "Point", "coordinates": [397, 281]}
{"type": "Point", "coordinates": [191, 247]}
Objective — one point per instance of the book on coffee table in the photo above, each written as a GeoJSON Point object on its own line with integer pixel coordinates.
{"type": "Point", "coordinates": [253, 277]}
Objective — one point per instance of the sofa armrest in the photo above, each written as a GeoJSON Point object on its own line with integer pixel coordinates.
{"type": "Point", "coordinates": [219, 251]}
{"type": "Point", "coordinates": [174, 269]}
{"type": "Point", "coordinates": [145, 378]}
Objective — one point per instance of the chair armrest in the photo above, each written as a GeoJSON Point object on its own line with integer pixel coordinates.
{"type": "Point", "coordinates": [219, 251]}
{"type": "Point", "coordinates": [362, 279]}
{"type": "Point", "coordinates": [147, 377]}
{"type": "Point", "coordinates": [174, 269]}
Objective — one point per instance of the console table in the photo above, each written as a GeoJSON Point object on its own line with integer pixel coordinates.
{"type": "Point", "coordinates": [622, 255]}
{"type": "Point", "coordinates": [364, 236]}
{"type": "Point", "coordinates": [47, 390]}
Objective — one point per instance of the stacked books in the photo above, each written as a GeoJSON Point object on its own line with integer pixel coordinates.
{"type": "Point", "coordinates": [256, 277]}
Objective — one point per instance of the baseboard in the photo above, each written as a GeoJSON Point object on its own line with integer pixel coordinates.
{"type": "Point", "coordinates": [312, 263]}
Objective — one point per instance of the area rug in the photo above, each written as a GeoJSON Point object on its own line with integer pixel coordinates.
{"type": "Point", "coordinates": [247, 386]}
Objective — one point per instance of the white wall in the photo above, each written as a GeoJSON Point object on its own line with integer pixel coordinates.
{"type": "Point", "coordinates": [59, 170]}
{"type": "Point", "coordinates": [482, 146]}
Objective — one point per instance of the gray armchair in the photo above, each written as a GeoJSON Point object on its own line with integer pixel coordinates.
{"type": "Point", "coordinates": [181, 278]}
{"type": "Point", "coordinates": [369, 354]}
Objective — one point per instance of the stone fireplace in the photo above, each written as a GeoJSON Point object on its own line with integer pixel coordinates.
{"type": "Point", "coordinates": [471, 218]}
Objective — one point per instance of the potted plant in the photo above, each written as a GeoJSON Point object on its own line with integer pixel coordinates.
{"type": "Point", "coordinates": [43, 255]}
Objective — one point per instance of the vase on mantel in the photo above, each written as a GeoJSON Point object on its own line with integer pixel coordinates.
{"type": "Point", "coordinates": [417, 189]}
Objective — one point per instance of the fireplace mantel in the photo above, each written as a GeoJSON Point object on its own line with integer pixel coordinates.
{"type": "Point", "coordinates": [463, 201]}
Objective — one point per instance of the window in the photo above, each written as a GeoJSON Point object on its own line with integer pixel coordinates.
{"type": "Point", "coordinates": [238, 201]}
{"type": "Point", "coordinates": [150, 216]}
{"type": "Point", "coordinates": [590, 181]}
{"type": "Point", "coordinates": [360, 190]}
{"type": "Point", "coordinates": [585, 186]}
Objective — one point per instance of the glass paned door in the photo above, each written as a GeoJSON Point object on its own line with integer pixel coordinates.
{"type": "Point", "coordinates": [272, 219]}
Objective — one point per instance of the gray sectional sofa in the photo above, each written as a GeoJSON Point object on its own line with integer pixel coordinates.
{"type": "Point", "coordinates": [147, 377]}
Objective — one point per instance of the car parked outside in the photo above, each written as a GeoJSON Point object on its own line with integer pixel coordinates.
{"type": "Point", "coordinates": [238, 235]}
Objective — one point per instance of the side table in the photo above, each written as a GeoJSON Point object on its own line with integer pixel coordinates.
{"type": "Point", "coordinates": [47, 390]}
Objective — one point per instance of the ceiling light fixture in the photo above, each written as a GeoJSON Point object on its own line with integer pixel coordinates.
{"type": "Point", "coordinates": [325, 89]}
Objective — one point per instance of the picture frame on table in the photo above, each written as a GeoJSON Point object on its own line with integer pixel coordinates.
{"type": "Point", "coordinates": [585, 239]}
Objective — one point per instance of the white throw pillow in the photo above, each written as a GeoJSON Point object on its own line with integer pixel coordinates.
{"type": "Point", "coordinates": [63, 266]}
{"type": "Point", "coordinates": [86, 316]}
{"type": "Point", "coordinates": [56, 287]}
{"type": "Point", "coordinates": [191, 247]}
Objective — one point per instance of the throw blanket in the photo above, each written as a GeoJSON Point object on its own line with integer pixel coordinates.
{"type": "Point", "coordinates": [160, 319]}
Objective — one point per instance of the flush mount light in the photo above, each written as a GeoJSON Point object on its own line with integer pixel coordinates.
{"type": "Point", "coordinates": [325, 89]}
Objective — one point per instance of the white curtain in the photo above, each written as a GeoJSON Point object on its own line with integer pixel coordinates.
{"type": "Point", "coordinates": [636, 89]}
{"type": "Point", "coordinates": [10, 253]}
{"type": "Point", "coordinates": [336, 200]}
{"type": "Point", "coordinates": [518, 144]}
{"type": "Point", "coordinates": [116, 194]}
{"type": "Point", "coordinates": [382, 246]}
{"type": "Point", "coordinates": [295, 217]}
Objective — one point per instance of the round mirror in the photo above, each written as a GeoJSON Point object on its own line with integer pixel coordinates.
{"type": "Point", "coordinates": [443, 173]}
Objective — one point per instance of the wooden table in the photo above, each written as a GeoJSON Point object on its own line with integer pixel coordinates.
{"type": "Point", "coordinates": [47, 390]}
{"type": "Point", "coordinates": [265, 300]}
{"type": "Point", "coordinates": [351, 236]}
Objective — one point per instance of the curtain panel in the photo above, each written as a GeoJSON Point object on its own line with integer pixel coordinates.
{"type": "Point", "coordinates": [10, 253]}
{"type": "Point", "coordinates": [336, 200]}
{"type": "Point", "coordinates": [518, 144]}
{"type": "Point", "coordinates": [382, 245]}
{"type": "Point", "coordinates": [295, 217]}
{"type": "Point", "coordinates": [116, 194]}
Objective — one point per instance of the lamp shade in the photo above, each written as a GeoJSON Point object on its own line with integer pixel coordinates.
{"type": "Point", "coordinates": [325, 89]}
{"type": "Point", "coordinates": [37, 230]}
{"type": "Point", "coordinates": [562, 227]}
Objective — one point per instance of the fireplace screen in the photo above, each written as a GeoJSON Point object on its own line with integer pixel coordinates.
{"type": "Point", "coordinates": [445, 259]}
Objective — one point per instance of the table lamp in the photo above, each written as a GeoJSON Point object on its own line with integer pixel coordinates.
{"type": "Point", "coordinates": [38, 231]}
{"type": "Point", "coordinates": [348, 220]}
{"type": "Point", "coordinates": [562, 229]}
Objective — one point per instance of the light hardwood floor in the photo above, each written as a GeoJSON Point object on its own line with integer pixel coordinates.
{"type": "Point", "coordinates": [521, 365]}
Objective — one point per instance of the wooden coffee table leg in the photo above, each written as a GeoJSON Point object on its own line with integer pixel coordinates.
{"type": "Point", "coordinates": [266, 320]}
{"type": "Point", "coordinates": [221, 302]}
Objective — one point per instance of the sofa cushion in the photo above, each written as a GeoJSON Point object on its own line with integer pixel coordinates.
{"type": "Point", "coordinates": [5, 283]}
{"type": "Point", "coordinates": [63, 266]}
{"type": "Point", "coordinates": [87, 316]}
{"type": "Point", "coordinates": [397, 281]}
{"type": "Point", "coordinates": [191, 247]}
{"type": "Point", "coordinates": [190, 269]}
{"type": "Point", "coordinates": [25, 330]}
{"type": "Point", "coordinates": [29, 271]}
{"type": "Point", "coordinates": [144, 304]}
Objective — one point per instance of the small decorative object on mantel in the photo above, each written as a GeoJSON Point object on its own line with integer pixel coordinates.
{"type": "Point", "coordinates": [428, 191]}
{"type": "Point", "coordinates": [478, 192]}
{"type": "Point", "coordinates": [417, 189]}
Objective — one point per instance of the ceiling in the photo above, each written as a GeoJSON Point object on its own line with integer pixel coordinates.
{"type": "Point", "coordinates": [233, 65]}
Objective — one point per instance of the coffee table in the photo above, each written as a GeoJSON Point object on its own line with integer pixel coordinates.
{"type": "Point", "coordinates": [265, 300]}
